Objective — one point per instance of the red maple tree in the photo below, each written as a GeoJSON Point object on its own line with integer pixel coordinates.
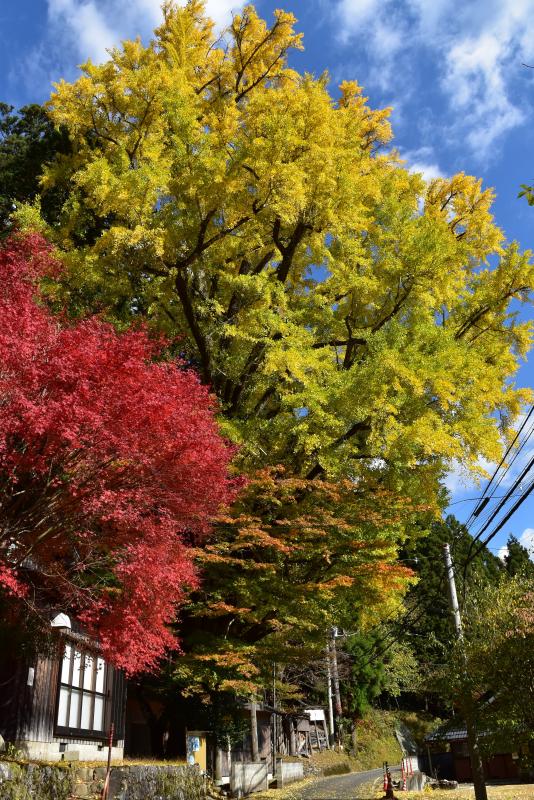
{"type": "Point", "coordinates": [111, 468]}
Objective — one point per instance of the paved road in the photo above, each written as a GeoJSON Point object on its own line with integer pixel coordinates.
{"type": "Point", "coordinates": [339, 787]}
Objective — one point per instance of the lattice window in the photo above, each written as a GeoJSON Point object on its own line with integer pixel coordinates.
{"type": "Point", "coordinates": [83, 703]}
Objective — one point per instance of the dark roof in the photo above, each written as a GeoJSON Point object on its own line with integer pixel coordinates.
{"type": "Point", "coordinates": [447, 734]}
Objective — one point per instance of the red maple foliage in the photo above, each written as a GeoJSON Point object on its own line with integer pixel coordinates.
{"type": "Point", "coordinates": [111, 468]}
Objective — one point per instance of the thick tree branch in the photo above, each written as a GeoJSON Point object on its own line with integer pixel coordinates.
{"type": "Point", "coordinates": [358, 427]}
{"type": "Point", "coordinates": [185, 299]}
{"type": "Point", "coordinates": [340, 343]}
{"type": "Point", "coordinates": [287, 251]}
{"type": "Point", "coordinates": [478, 315]}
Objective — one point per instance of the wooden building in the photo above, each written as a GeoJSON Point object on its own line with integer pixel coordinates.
{"type": "Point", "coordinates": [449, 755]}
{"type": "Point", "coordinates": [61, 705]}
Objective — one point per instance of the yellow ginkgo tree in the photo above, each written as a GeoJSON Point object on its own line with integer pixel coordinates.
{"type": "Point", "coordinates": [356, 322]}
{"type": "Point", "coordinates": [351, 317]}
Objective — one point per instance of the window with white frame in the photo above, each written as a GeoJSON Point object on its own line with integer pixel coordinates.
{"type": "Point", "coordinates": [83, 692]}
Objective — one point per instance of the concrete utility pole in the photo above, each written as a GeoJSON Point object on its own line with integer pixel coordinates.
{"type": "Point", "coordinates": [329, 696]}
{"type": "Point", "coordinates": [467, 700]}
{"type": "Point", "coordinates": [335, 683]}
{"type": "Point", "coordinates": [335, 674]}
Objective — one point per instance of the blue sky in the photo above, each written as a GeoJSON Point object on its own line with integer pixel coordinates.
{"type": "Point", "coordinates": [453, 73]}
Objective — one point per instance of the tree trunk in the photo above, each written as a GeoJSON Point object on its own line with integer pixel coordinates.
{"type": "Point", "coordinates": [477, 767]}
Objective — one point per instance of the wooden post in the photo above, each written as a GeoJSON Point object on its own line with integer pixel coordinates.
{"type": "Point", "coordinates": [317, 735]}
{"type": "Point", "coordinates": [292, 739]}
{"type": "Point", "coordinates": [105, 790]}
{"type": "Point", "coordinates": [254, 731]}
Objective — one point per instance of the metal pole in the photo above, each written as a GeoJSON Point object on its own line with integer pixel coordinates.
{"type": "Point", "coordinates": [467, 701]}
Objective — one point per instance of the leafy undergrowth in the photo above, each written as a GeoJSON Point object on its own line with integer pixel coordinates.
{"type": "Point", "coordinates": [376, 740]}
{"type": "Point", "coordinates": [127, 762]}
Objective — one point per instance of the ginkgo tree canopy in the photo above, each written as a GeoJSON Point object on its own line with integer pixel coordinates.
{"type": "Point", "coordinates": [351, 317]}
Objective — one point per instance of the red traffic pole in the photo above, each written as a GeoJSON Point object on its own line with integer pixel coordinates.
{"type": "Point", "coordinates": [389, 789]}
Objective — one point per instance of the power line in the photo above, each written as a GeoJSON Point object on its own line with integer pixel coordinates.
{"type": "Point", "coordinates": [480, 507]}
{"type": "Point", "coordinates": [502, 523]}
{"type": "Point", "coordinates": [491, 513]}
{"type": "Point", "coordinates": [373, 652]}
{"type": "Point", "coordinates": [477, 499]}
{"type": "Point", "coordinates": [505, 499]}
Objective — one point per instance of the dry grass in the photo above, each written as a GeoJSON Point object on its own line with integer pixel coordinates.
{"type": "Point", "coordinates": [512, 792]}
{"type": "Point", "coordinates": [509, 792]}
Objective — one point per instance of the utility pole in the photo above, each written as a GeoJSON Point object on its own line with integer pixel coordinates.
{"type": "Point", "coordinates": [467, 700]}
{"type": "Point", "coordinates": [335, 682]}
{"type": "Point", "coordinates": [275, 721]}
{"type": "Point", "coordinates": [329, 696]}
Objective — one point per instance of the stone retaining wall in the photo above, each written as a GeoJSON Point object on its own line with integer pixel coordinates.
{"type": "Point", "coordinates": [69, 781]}
{"type": "Point", "coordinates": [34, 782]}
{"type": "Point", "coordinates": [161, 783]}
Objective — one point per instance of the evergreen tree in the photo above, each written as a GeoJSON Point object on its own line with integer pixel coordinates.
{"type": "Point", "coordinates": [428, 623]}
{"type": "Point", "coordinates": [518, 559]}
{"type": "Point", "coordinates": [28, 141]}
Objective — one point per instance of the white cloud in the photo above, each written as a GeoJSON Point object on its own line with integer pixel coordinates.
{"type": "Point", "coordinates": [475, 48]}
{"type": "Point", "coordinates": [423, 160]}
{"type": "Point", "coordinates": [502, 553]}
{"type": "Point", "coordinates": [355, 14]}
{"type": "Point", "coordinates": [81, 29]}
{"type": "Point", "coordinates": [526, 539]}
{"type": "Point", "coordinates": [91, 27]}
{"type": "Point", "coordinates": [221, 10]}
{"type": "Point", "coordinates": [382, 37]}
